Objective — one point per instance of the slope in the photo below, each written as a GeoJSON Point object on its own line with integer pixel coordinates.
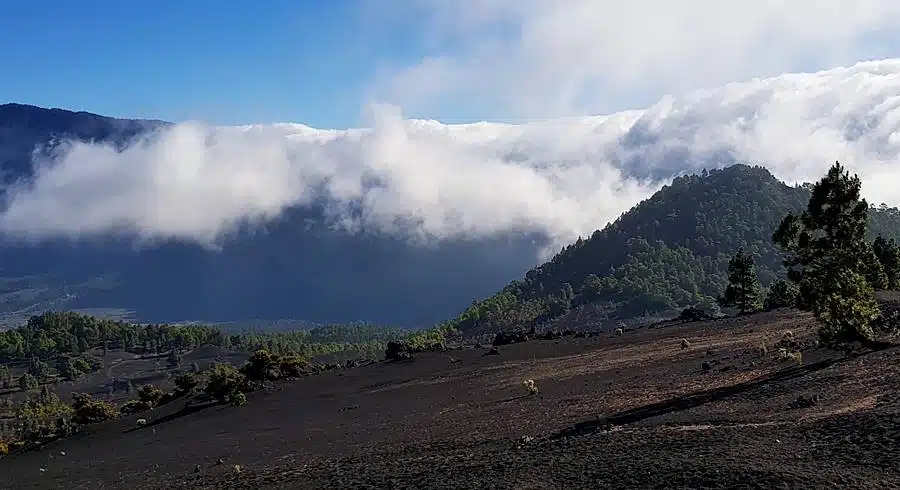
{"type": "Point", "coordinates": [669, 251]}
{"type": "Point", "coordinates": [458, 419]}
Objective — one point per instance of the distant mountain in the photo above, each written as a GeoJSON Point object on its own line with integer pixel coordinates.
{"type": "Point", "coordinates": [669, 251]}
{"type": "Point", "coordinates": [25, 128]}
{"type": "Point", "coordinates": [294, 268]}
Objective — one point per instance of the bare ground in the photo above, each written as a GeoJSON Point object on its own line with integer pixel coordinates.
{"type": "Point", "coordinates": [635, 411]}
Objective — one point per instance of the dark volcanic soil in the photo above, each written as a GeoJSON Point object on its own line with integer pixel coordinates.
{"type": "Point", "coordinates": [635, 411]}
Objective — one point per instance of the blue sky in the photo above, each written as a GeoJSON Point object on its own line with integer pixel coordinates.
{"type": "Point", "coordinates": [319, 62]}
{"type": "Point", "coordinates": [308, 61]}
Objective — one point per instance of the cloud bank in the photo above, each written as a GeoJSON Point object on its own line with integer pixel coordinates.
{"type": "Point", "coordinates": [562, 178]}
{"type": "Point", "coordinates": [538, 59]}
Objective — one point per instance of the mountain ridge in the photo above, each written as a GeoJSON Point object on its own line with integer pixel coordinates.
{"type": "Point", "coordinates": [670, 251]}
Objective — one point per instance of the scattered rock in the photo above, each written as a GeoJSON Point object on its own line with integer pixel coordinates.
{"type": "Point", "coordinates": [506, 338]}
{"type": "Point", "coordinates": [804, 402]}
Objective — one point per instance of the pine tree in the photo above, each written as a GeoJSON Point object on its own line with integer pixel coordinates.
{"type": "Point", "coordinates": [830, 261]}
{"type": "Point", "coordinates": [888, 254]}
{"type": "Point", "coordinates": [743, 285]}
{"type": "Point", "coordinates": [781, 294]}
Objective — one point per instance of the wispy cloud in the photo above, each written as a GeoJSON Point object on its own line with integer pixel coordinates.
{"type": "Point", "coordinates": [424, 179]}
{"type": "Point", "coordinates": [548, 58]}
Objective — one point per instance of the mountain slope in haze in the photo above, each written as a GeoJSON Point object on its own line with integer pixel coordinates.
{"type": "Point", "coordinates": [669, 251]}
{"type": "Point", "coordinates": [26, 128]}
{"type": "Point", "coordinates": [294, 267]}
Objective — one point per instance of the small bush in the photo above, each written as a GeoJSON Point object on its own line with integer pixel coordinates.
{"type": "Point", "coordinates": [398, 351]}
{"type": "Point", "coordinates": [4, 448]}
{"type": "Point", "coordinates": [294, 366]}
{"type": "Point", "coordinates": [620, 332]}
{"type": "Point", "coordinates": [150, 394]}
{"type": "Point", "coordinates": [186, 382]}
{"type": "Point", "coordinates": [262, 366]}
{"type": "Point", "coordinates": [28, 382]}
{"type": "Point", "coordinates": [530, 387]}
{"type": "Point", "coordinates": [224, 382]}
{"type": "Point", "coordinates": [685, 344]}
{"type": "Point", "coordinates": [788, 336]}
{"type": "Point", "coordinates": [134, 406]}
{"type": "Point", "coordinates": [791, 356]}
{"type": "Point", "coordinates": [237, 399]}
{"type": "Point", "coordinates": [88, 410]}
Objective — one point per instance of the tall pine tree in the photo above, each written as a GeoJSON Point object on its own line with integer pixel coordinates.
{"type": "Point", "coordinates": [831, 262]}
{"type": "Point", "coordinates": [743, 289]}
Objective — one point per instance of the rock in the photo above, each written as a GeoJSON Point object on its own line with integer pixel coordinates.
{"type": "Point", "coordinates": [804, 402]}
{"type": "Point", "coordinates": [506, 338]}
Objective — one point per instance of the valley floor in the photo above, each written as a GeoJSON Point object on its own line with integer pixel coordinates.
{"type": "Point", "coordinates": [635, 411]}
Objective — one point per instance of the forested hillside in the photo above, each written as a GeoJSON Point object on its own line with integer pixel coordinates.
{"type": "Point", "coordinates": [671, 250]}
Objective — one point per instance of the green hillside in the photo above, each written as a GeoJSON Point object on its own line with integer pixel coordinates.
{"type": "Point", "coordinates": [669, 251]}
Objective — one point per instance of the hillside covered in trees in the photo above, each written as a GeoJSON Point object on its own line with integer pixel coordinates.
{"type": "Point", "coordinates": [670, 251]}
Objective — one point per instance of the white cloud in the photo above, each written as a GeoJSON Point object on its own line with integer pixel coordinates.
{"type": "Point", "coordinates": [563, 178]}
{"type": "Point", "coordinates": [547, 58]}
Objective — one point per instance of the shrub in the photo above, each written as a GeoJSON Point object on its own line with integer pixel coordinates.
{"type": "Point", "coordinates": [150, 394]}
{"type": "Point", "coordinates": [398, 351]}
{"type": "Point", "coordinates": [90, 363]}
{"type": "Point", "coordinates": [685, 344]}
{"type": "Point", "coordinates": [294, 366]}
{"type": "Point", "coordinates": [186, 382]}
{"type": "Point", "coordinates": [530, 387]}
{"type": "Point", "coordinates": [4, 448]}
{"type": "Point", "coordinates": [224, 382]}
{"type": "Point", "coordinates": [28, 382]}
{"type": "Point", "coordinates": [88, 410]}
{"type": "Point", "coordinates": [39, 414]}
{"type": "Point", "coordinates": [620, 332]}
{"type": "Point", "coordinates": [792, 356]}
{"type": "Point", "coordinates": [67, 369]}
{"type": "Point", "coordinates": [237, 399]}
{"type": "Point", "coordinates": [134, 406]}
{"type": "Point", "coordinates": [38, 368]}
{"type": "Point", "coordinates": [82, 365]}
{"type": "Point", "coordinates": [262, 366]}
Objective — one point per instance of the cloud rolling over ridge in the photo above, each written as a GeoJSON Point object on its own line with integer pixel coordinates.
{"type": "Point", "coordinates": [430, 181]}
